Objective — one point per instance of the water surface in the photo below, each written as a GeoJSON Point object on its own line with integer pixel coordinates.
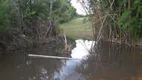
{"type": "Point", "coordinates": [18, 66]}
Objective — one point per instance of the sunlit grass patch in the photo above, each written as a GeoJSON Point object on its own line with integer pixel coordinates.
{"type": "Point", "coordinates": [78, 28]}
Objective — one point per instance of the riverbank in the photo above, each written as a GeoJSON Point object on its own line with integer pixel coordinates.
{"type": "Point", "coordinates": [79, 28]}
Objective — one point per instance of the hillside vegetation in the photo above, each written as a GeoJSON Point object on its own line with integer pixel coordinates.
{"type": "Point", "coordinates": [79, 28]}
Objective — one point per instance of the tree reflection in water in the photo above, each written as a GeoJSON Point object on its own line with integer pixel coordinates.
{"type": "Point", "coordinates": [17, 66]}
{"type": "Point", "coordinates": [112, 62]}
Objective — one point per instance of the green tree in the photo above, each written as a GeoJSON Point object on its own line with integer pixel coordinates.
{"type": "Point", "coordinates": [18, 17]}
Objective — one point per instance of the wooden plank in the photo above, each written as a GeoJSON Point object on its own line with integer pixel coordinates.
{"type": "Point", "coordinates": [52, 57]}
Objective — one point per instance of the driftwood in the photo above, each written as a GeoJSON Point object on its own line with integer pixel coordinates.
{"type": "Point", "coordinates": [57, 57]}
{"type": "Point", "coordinates": [52, 57]}
{"type": "Point", "coordinates": [67, 47]}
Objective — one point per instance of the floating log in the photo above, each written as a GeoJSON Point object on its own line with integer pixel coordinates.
{"type": "Point", "coordinates": [52, 57]}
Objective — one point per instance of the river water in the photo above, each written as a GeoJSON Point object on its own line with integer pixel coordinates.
{"type": "Point", "coordinates": [18, 65]}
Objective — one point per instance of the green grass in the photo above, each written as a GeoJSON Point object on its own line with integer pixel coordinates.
{"type": "Point", "coordinates": [77, 29]}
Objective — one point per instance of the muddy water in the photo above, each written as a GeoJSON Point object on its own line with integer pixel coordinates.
{"type": "Point", "coordinates": [18, 66]}
{"type": "Point", "coordinates": [114, 62]}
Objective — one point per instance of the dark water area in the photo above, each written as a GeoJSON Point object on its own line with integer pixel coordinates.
{"type": "Point", "coordinates": [110, 62]}
{"type": "Point", "coordinates": [17, 66]}
{"type": "Point", "coordinates": [114, 62]}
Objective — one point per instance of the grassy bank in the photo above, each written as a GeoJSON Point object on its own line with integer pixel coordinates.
{"type": "Point", "coordinates": [77, 29]}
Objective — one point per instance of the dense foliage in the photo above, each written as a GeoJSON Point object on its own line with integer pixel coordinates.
{"type": "Point", "coordinates": [13, 12]}
{"type": "Point", "coordinates": [117, 18]}
{"type": "Point", "coordinates": [131, 17]}
{"type": "Point", "coordinates": [34, 19]}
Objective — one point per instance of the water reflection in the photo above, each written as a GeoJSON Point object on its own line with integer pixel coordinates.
{"type": "Point", "coordinates": [17, 66]}
{"type": "Point", "coordinates": [82, 48]}
{"type": "Point", "coordinates": [111, 62]}
{"type": "Point", "coordinates": [81, 51]}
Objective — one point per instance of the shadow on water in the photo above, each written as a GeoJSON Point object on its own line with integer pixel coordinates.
{"type": "Point", "coordinates": [109, 62]}
{"type": "Point", "coordinates": [17, 65]}
{"type": "Point", "coordinates": [20, 67]}
{"type": "Point", "coordinates": [113, 62]}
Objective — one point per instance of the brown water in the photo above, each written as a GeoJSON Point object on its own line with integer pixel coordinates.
{"type": "Point", "coordinates": [18, 66]}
